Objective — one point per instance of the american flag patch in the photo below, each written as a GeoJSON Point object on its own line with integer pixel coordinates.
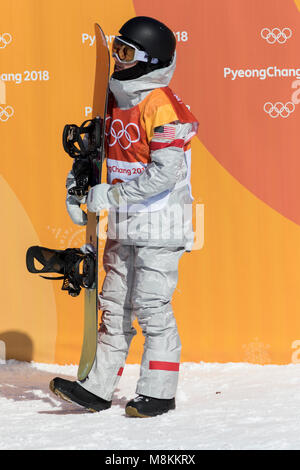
{"type": "Point", "coordinates": [164, 132]}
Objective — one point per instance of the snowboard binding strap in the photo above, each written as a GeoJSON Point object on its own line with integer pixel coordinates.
{"type": "Point", "coordinates": [77, 269]}
{"type": "Point", "coordinates": [82, 141]}
{"type": "Point", "coordinates": [83, 144]}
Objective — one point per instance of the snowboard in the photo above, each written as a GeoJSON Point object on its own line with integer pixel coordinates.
{"type": "Point", "coordinates": [90, 332]}
{"type": "Point", "coordinates": [78, 268]}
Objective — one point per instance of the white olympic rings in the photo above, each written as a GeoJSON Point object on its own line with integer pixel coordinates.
{"type": "Point", "coordinates": [5, 39]}
{"type": "Point", "coordinates": [276, 35]}
{"type": "Point", "coordinates": [118, 134]}
{"type": "Point", "coordinates": [6, 112]}
{"type": "Point", "coordinates": [279, 109]}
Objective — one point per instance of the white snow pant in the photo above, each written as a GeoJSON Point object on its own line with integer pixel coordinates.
{"type": "Point", "coordinates": [140, 282]}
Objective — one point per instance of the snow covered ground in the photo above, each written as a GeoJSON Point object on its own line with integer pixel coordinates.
{"type": "Point", "coordinates": [219, 406]}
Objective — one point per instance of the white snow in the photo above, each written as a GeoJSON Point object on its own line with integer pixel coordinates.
{"type": "Point", "coordinates": [219, 406]}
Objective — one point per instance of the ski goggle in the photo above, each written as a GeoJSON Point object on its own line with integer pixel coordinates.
{"type": "Point", "coordinates": [128, 53]}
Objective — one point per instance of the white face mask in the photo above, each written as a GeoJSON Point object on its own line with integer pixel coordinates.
{"type": "Point", "coordinates": [130, 92]}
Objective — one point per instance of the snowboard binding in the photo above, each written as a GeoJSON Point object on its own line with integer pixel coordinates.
{"type": "Point", "coordinates": [77, 269]}
{"type": "Point", "coordinates": [83, 144]}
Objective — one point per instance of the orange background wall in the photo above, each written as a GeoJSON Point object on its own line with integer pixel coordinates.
{"type": "Point", "coordinates": [238, 294]}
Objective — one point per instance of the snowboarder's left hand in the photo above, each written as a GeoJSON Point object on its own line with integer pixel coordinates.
{"type": "Point", "coordinates": [73, 202]}
{"type": "Point", "coordinates": [97, 198]}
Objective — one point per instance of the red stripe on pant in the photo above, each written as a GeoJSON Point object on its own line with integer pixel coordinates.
{"type": "Point", "coordinates": [162, 365]}
{"type": "Point", "coordinates": [120, 372]}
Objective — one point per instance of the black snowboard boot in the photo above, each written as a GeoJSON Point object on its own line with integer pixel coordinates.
{"type": "Point", "coordinates": [74, 393]}
{"type": "Point", "coordinates": [145, 407]}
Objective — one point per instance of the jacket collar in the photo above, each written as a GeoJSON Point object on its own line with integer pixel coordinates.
{"type": "Point", "coordinates": [129, 93]}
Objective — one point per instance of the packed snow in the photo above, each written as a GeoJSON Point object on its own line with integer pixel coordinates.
{"type": "Point", "coordinates": [219, 406]}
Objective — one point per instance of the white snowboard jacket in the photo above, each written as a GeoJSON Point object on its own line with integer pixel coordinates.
{"type": "Point", "coordinates": [148, 156]}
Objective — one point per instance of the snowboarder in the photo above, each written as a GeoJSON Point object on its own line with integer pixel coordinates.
{"type": "Point", "coordinates": [148, 195]}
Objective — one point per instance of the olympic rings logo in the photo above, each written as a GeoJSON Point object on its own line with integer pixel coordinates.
{"type": "Point", "coordinates": [5, 39]}
{"type": "Point", "coordinates": [123, 132]}
{"type": "Point", "coordinates": [6, 112]}
{"type": "Point", "coordinates": [276, 35]}
{"type": "Point", "coordinates": [279, 109]}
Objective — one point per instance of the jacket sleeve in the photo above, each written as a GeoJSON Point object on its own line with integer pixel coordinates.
{"type": "Point", "coordinates": [168, 166]}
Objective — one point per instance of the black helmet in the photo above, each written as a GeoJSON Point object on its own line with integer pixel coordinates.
{"type": "Point", "coordinates": [152, 36]}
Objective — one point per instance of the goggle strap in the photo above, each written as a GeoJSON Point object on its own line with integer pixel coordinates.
{"type": "Point", "coordinates": [143, 57]}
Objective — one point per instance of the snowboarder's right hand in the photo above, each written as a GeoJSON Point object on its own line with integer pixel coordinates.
{"type": "Point", "coordinates": [73, 203]}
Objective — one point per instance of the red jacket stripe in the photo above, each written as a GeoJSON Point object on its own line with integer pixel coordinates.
{"type": "Point", "coordinates": [162, 145]}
